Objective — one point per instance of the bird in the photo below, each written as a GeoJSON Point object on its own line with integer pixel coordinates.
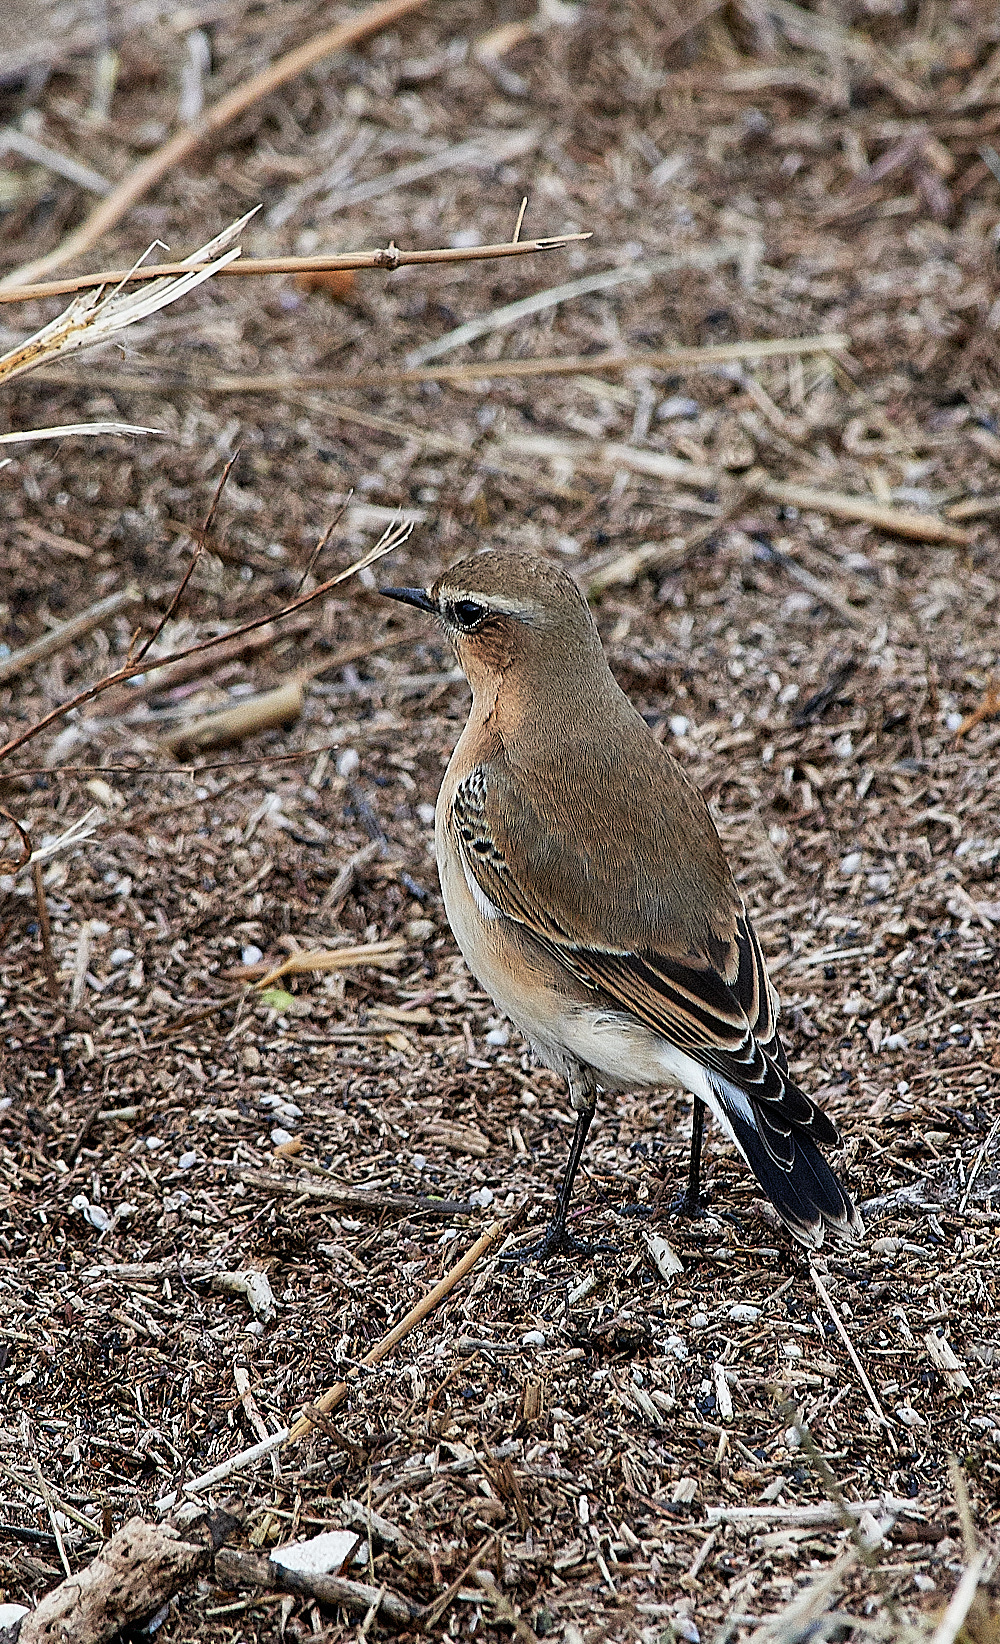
{"type": "Point", "coordinates": [588, 891]}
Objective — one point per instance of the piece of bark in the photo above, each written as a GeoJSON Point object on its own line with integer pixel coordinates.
{"type": "Point", "coordinates": [355, 1198]}
{"type": "Point", "coordinates": [234, 1569]}
{"type": "Point", "coordinates": [132, 1577]}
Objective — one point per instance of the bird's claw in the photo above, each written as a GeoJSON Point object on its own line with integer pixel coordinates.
{"type": "Point", "coordinates": [559, 1241]}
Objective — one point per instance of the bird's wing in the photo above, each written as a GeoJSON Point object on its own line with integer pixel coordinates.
{"type": "Point", "coordinates": [724, 1016]}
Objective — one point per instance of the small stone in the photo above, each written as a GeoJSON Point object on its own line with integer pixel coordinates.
{"type": "Point", "coordinates": [119, 957]}
{"type": "Point", "coordinates": [187, 1160]}
{"type": "Point", "coordinates": [419, 1162]}
{"type": "Point", "coordinates": [699, 1321]}
{"type": "Point", "coordinates": [322, 1555]}
{"type": "Point", "coordinates": [533, 1338]}
{"type": "Point", "coordinates": [678, 405]}
{"type": "Point", "coordinates": [679, 725]}
{"type": "Point", "coordinates": [743, 1313]}
{"type": "Point", "coordinates": [153, 1143]}
{"type": "Point", "coordinates": [251, 954]}
{"type": "Point", "coordinates": [348, 763]}
{"type": "Point", "coordinates": [281, 1137]}
{"type": "Point", "coordinates": [850, 864]}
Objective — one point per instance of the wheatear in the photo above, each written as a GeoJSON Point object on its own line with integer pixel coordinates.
{"type": "Point", "coordinates": [588, 891]}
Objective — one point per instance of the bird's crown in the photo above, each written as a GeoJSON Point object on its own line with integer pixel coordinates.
{"type": "Point", "coordinates": [518, 587]}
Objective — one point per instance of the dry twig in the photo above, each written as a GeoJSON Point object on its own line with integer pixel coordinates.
{"type": "Point", "coordinates": [184, 143]}
{"type": "Point", "coordinates": [387, 259]}
{"type": "Point", "coordinates": [901, 522]}
{"type": "Point", "coordinates": [58, 638]}
{"type": "Point", "coordinates": [335, 1395]}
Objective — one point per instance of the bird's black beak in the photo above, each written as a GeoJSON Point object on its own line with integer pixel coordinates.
{"type": "Point", "coordinates": [411, 596]}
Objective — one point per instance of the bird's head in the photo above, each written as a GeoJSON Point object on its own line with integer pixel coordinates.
{"type": "Point", "coordinates": [510, 614]}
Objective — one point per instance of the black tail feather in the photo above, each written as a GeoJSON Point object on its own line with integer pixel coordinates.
{"type": "Point", "coordinates": [805, 1192]}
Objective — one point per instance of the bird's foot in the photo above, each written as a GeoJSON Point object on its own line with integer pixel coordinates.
{"type": "Point", "coordinates": [559, 1241]}
{"type": "Point", "coordinates": [688, 1204]}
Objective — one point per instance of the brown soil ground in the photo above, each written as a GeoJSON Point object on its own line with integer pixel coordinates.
{"type": "Point", "coordinates": [588, 1428]}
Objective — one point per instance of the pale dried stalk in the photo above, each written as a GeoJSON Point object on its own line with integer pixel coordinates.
{"type": "Point", "coordinates": [174, 152]}
{"type": "Point", "coordinates": [323, 959]}
{"type": "Point", "coordinates": [250, 718]}
{"type": "Point", "coordinates": [388, 259]}
{"type": "Point", "coordinates": [335, 1395]}
{"type": "Point", "coordinates": [64, 430]}
{"type": "Point", "coordinates": [824, 1297]}
{"type": "Point", "coordinates": [705, 257]}
{"type": "Point", "coordinates": [97, 317]}
{"type": "Point", "coordinates": [901, 522]}
{"type": "Point", "coordinates": [546, 365]}
{"type": "Point", "coordinates": [58, 638]}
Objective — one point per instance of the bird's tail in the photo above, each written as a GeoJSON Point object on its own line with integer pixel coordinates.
{"type": "Point", "coordinates": [799, 1183]}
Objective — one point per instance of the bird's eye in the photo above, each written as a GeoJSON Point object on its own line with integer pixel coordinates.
{"type": "Point", "coordinates": [468, 614]}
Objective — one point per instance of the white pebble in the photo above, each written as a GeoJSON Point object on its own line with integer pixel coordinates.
{"type": "Point", "coordinates": [678, 405]}
{"type": "Point", "coordinates": [426, 815]}
{"type": "Point", "coordinates": [953, 721]}
{"type": "Point", "coordinates": [533, 1338]}
{"type": "Point", "coordinates": [348, 763]}
{"type": "Point", "coordinates": [280, 1137]}
{"type": "Point", "coordinates": [153, 1143]}
{"type": "Point", "coordinates": [896, 1041]}
{"type": "Point", "coordinates": [851, 863]}
{"type": "Point", "coordinates": [321, 1555]}
{"type": "Point", "coordinates": [483, 1197]}
{"type": "Point", "coordinates": [187, 1160]}
{"type": "Point", "coordinates": [699, 1321]}
{"type": "Point", "coordinates": [498, 1036]}
{"type": "Point", "coordinates": [743, 1313]}
{"type": "Point", "coordinates": [679, 725]}
{"type": "Point", "coordinates": [119, 957]}
{"type": "Point", "coordinates": [251, 954]}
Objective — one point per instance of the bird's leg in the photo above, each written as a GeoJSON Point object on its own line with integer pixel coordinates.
{"type": "Point", "coordinates": [558, 1240]}
{"type": "Point", "coordinates": [689, 1203]}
